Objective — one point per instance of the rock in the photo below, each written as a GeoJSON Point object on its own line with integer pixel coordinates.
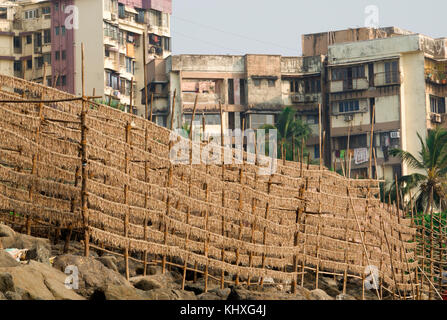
{"type": "Point", "coordinates": [6, 260]}
{"type": "Point", "coordinates": [2, 296]}
{"type": "Point", "coordinates": [6, 282]}
{"type": "Point", "coordinates": [240, 293]}
{"type": "Point", "coordinates": [23, 241]}
{"type": "Point", "coordinates": [109, 262]}
{"type": "Point", "coordinates": [147, 284]}
{"type": "Point", "coordinates": [209, 296]}
{"type": "Point", "coordinates": [122, 292]}
{"type": "Point", "coordinates": [319, 294]}
{"type": "Point", "coordinates": [199, 286]}
{"type": "Point", "coordinates": [92, 273]}
{"type": "Point", "coordinates": [344, 297]}
{"type": "Point", "coordinates": [38, 281]}
{"type": "Point", "coordinates": [39, 253]}
{"type": "Point", "coordinates": [6, 231]}
{"type": "Point", "coordinates": [132, 267]}
{"type": "Point", "coordinates": [222, 293]}
{"type": "Point", "coordinates": [13, 296]}
{"type": "Point", "coordinates": [169, 294]}
{"type": "Point", "coordinates": [153, 270]}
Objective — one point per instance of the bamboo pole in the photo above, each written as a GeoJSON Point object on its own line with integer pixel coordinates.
{"type": "Point", "coordinates": [264, 237]}
{"type": "Point", "coordinates": [84, 157]}
{"type": "Point", "coordinates": [152, 106]}
{"type": "Point", "coordinates": [128, 132]}
{"type": "Point", "coordinates": [145, 74]}
{"type": "Point", "coordinates": [372, 140]}
{"type": "Point", "coordinates": [131, 96]}
{"type": "Point", "coordinates": [363, 240]}
{"type": "Point", "coordinates": [319, 135]}
{"type": "Point", "coordinates": [222, 142]}
{"type": "Point", "coordinates": [146, 200]}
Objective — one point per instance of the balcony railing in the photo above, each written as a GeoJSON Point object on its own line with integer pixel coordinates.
{"type": "Point", "coordinates": [387, 78]}
{"type": "Point", "coordinates": [436, 76]}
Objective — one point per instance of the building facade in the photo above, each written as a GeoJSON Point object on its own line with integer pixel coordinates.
{"type": "Point", "coordinates": [35, 32]}
{"type": "Point", "coordinates": [253, 89]}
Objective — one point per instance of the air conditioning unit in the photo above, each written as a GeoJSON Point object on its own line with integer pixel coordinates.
{"type": "Point", "coordinates": [349, 118]}
{"type": "Point", "coordinates": [395, 135]}
{"type": "Point", "coordinates": [436, 118]}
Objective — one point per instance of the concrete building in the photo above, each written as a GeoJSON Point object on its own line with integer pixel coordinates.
{"type": "Point", "coordinates": [251, 87]}
{"type": "Point", "coordinates": [33, 32]}
{"type": "Point", "coordinates": [404, 79]}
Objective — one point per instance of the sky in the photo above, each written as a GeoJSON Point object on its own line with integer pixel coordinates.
{"type": "Point", "coordinates": [275, 27]}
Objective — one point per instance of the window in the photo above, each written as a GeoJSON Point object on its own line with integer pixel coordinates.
{"type": "Point", "coordinates": [56, 6]}
{"type": "Point", "coordinates": [47, 36]}
{"type": "Point", "coordinates": [38, 62]}
{"type": "Point", "coordinates": [64, 81]}
{"type": "Point", "coordinates": [107, 53]}
{"type": "Point", "coordinates": [129, 65]}
{"type": "Point", "coordinates": [29, 39]}
{"type": "Point", "coordinates": [64, 55]}
{"type": "Point", "coordinates": [316, 152]}
{"type": "Point", "coordinates": [271, 83]}
{"type": "Point", "coordinates": [3, 13]}
{"type": "Point", "coordinates": [17, 42]}
{"type": "Point", "coordinates": [56, 30]}
{"type": "Point", "coordinates": [58, 55]}
{"type": "Point", "coordinates": [242, 91]}
{"type": "Point", "coordinates": [294, 86]}
{"type": "Point", "coordinates": [63, 30]}
{"type": "Point", "coordinates": [46, 10]}
{"type": "Point", "coordinates": [230, 91]}
{"type": "Point", "coordinates": [355, 72]}
{"type": "Point", "coordinates": [29, 64]}
{"type": "Point", "coordinates": [257, 82]}
{"type": "Point", "coordinates": [437, 104]}
{"type": "Point", "coordinates": [391, 72]}
{"type": "Point", "coordinates": [17, 65]}
{"type": "Point", "coordinates": [348, 106]}
{"type": "Point", "coordinates": [312, 119]}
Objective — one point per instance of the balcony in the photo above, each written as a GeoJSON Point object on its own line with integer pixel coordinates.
{"type": "Point", "coordinates": [436, 76]}
{"type": "Point", "coordinates": [387, 79]}
{"type": "Point", "coordinates": [349, 85]}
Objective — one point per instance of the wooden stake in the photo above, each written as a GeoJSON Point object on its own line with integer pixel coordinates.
{"type": "Point", "coordinates": [84, 160]}
{"type": "Point", "coordinates": [372, 141]}
{"type": "Point", "coordinates": [319, 136]}
{"type": "Point", "coordinates": [146, 98]}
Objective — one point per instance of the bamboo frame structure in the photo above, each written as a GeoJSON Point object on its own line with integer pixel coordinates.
{"type": "Point", "coordinates": [253, 226]}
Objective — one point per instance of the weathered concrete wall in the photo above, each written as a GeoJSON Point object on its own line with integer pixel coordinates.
{"type": "Point", "coordinates": [317, 43]}
{"type": "Point", "coordinates": [208, 63]}
{"type": "Point", "coordinates": [373, 49]}
{"type": "Point", "coordinates": [414, 109]}
{"type": "Point", "coordinates": [387, 109]}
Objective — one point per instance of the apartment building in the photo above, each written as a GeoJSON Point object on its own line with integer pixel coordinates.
{"type": "Point", "coordinates": [251, 87]}
{"type": "Point", "coordinates": [398, 84]}
{"type": "Point", "coordinates": [33, 32]}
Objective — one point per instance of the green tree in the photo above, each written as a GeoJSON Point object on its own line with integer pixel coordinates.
{"type": "Point", "coordinates": [428, 186]}
{"type": "Point", "coordinates": [290, 130]}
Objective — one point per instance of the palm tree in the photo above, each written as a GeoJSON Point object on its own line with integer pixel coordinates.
{"type": "Point", "coordinates": [430, 183]}
{"type": "Point", "coordinates": [289, 129]}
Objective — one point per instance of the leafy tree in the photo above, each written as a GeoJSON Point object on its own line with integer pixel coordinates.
{"type": "Point", "coordinates": [428, 186]}
{"type": "Point", "coordinates": [289, 128]}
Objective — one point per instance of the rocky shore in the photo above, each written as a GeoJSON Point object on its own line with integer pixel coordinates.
{"type": "Point", "coordinates": [40, 276]}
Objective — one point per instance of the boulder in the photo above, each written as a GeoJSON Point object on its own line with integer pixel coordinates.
{"type": "Point", "coordinates": [6, 282]}
{"type": "Point", "coordinates": [209, 296]}
{"type": "Point", "coordinates": [122, 292]}
{"type": "Point", "coordinates": [6, 232]}
{"type": "Point", "coordinates": [222, 293]}
{"type": "Point", "coordinates": [39, 253]}
{"type": "Point", "coordinates": [147, 284]}
{"type": "Point", "coordinates": [344, 297]}
{"type": "Point", "coordinates": [6, 261]}
{"type": "Point", "coordinates": [38, 281]}
{"type": "Point", "coordinates": [23, 241]}
{"type": "Point", "coordinates": [10, 295]}
{"type": "Point", "coordinates": [92, 273]}
{"type": "Point", "coordinates": [240, 293]}
{"type": "Point", "coordinates": [2, 296]}
{"type": "Point", "coordinates": [169, 294]}
{"type": "Point", "coordinates": [109, 262]}
{"type": "Point", "coordinates": [319, 294]}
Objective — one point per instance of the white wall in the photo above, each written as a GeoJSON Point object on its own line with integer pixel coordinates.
{"type": "Point", "coordinates": [414, 115]}
{"type": "Point", "coordinates": [387, 109]}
